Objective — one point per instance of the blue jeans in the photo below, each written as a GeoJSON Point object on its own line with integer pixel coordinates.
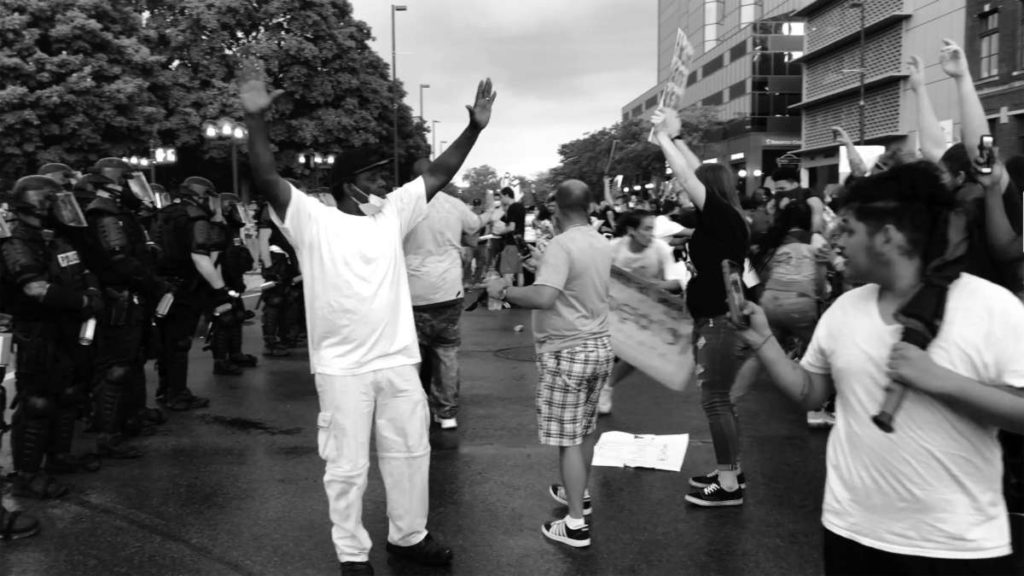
{"type": "Point", "coordinates": [437, 329]}
{"type": "Point", "coordinates": [718, 353]}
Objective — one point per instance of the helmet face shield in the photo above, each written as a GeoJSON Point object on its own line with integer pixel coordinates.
{"type": "Point", "coordinates": [67, 211]}
{"type": "Point", "coordinates": [140, 189]}
{"type": "Point", "coordinates": [5, 228]}
{"type": "Point", "coordinates": [233, 210]}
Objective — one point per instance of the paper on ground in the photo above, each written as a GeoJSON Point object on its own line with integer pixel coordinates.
{"type": "Point", "coordinates": [660, 452]}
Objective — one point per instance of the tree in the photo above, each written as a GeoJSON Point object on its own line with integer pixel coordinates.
{"type": "Point", "coordinates": [74, 83]}
{"type": "Point", "coordinates": [338, 91]}
{"type": "Point", "coordinates": [479, 181]}
{"type": "Point", "coordinates": [635, 158]}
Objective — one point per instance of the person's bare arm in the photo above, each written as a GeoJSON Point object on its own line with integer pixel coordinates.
{"type": "Point", "coordinates": [1001, 406]}
{"type": "Point", "coordinates": [929, 131]}
{"type": "Point", "coordinates": [208, 270]}
{"type": "Point", "coordinates": [256, 100]}
{"type": "Point", "coordinates": [808, 389]}
{"type": "Point", "coordinates": [676, 153]}
{"type": "Point", "coordinates": [264, 241]}
{"type": "Point", "coordinates": [1003, 240]}
{"type": "Point", "coordinates": [443, 169]}
{"type": "Point", "coordinates": [857, 166]}
{"type": "Point", "coordinates": [972, 115]}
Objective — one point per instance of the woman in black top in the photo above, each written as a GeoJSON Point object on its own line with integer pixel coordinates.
{"type": "Point", "coordinates": [721, 234]}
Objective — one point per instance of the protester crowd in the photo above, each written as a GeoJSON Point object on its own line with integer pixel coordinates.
{"type": "Point", "coordinates": [889, 301]}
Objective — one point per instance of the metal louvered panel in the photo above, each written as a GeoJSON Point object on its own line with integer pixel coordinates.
{"type": "Point", "coordinates": [837, 21]}
{"type": "Point", "coordinates": [883, 117]}
{"type": "Point", "coordinates": [882, 57]}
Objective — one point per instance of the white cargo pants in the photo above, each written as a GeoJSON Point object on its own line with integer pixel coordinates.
{"type": "Point", "coordinates": [391, 402]}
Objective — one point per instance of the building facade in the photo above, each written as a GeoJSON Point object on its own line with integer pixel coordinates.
{"type": "Point", "coordinates": [746, 67]}
{"type": "Point", "coordinates": [882, 35]}
{"type": "Point", "coordinates": [994, 42]}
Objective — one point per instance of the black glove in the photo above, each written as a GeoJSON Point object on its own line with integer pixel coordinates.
{"type": "Point", "coordinates": [94, 303]}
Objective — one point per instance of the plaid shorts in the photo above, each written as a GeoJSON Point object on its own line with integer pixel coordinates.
{"type": "Point", "coordinates": [567, 392]}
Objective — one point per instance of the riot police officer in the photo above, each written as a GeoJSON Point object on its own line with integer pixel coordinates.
{"type": "Point", "coordinates": [55, 301]}
{"type": "Point", "coordinates": [123, 263]}
{"type": "Point", "coordinates": [233, 260]}
{"type": "Point", "coordinates": [281, 303]}
{"type": "Point", "coordinates": [61, 173]}
{"type": "Point", "coordinates": [183, 234]}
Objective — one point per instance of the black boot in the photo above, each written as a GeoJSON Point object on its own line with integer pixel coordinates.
{"type": "Point", "coordinates": [14, 524]}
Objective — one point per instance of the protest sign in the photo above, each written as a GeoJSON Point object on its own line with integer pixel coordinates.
{"type": "Point", "coordinates": [625, 450]}
{"type": "Point", "coordinates": [682, 59]}
{"type": "Point", "coordinates": [651, 329]}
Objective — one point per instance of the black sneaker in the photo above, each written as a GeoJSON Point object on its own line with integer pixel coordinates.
{"type": "Point", "coordinates": [715, 495]}
{"type": "Point", "coordinates": [427, 551]}
{"type": "Point", "coordinates": [557, 491]}
{"type": "Point", "coordinates": [559, 531]}
{"type": "Point", "coordinates": [356, 569]}
{"type": "Point", "coordinates": [712, 478]}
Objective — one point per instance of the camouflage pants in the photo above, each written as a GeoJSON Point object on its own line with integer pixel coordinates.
{"type": "Point", "coordinates": [437, 329]}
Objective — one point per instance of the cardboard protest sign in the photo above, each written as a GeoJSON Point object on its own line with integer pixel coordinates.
{"type": "Point", "coordinates": [675, 86]}
{"type": "Point", "coordinates": [651, 329]}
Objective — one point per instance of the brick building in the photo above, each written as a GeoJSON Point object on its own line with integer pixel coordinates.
{"type": "Point", "coordinates": [893, 31]}
{"type": "Point", "coordinates": [994, 42]}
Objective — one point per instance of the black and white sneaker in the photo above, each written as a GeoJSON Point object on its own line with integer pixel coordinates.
{"type": "Point", "coordinates": [712, 478]}
{"type": "Point", "coordinates": [557, 492]}
{"type": "Point", "coordinates": [559, 531]}
{"type": "Point", "coordinates": [715, 495]}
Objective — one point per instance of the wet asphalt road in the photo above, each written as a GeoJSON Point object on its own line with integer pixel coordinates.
{"type": "Point", "coordinates": [235, 489]}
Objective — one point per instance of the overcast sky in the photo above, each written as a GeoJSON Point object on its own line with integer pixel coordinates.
{"type": "Point", "coordinates": [561, 67]}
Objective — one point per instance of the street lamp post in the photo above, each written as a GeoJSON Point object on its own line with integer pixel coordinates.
{"type": "Point", "coordinates": [433, 139]}
{"type": "Point", "coordinates": [859, 5]}
{"type": "Point", "coordinates": [422, 86]}
{"type": "Point", "coordinates": [394, 92]}
{"type": "Point", "coordinates": [443, 144]}
{"type": "Point", "coordinates": [228, 129]}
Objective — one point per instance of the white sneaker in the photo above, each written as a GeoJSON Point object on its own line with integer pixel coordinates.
{"type": "Point", "coordinates": [604, 401]}
{"type": "Point", "coordinates": [447, 423]}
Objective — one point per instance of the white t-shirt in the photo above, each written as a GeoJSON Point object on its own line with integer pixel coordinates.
{"type": "Point", "coordinates": [433, 250]}
{"type": "Point", "coordinates": [358, 310]}
{"type": "Point", "coordinates": [933, 487]}
{"type": "Point", "coordinates": [651, 263]}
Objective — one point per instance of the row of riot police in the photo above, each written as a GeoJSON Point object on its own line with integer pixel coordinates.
{"type": "Point", "coordinates": [101, 273]}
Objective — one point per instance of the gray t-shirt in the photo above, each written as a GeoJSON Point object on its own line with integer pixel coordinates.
{"type": "Point", "coordinates": [578, 262]}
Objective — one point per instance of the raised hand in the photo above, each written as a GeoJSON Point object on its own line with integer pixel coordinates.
{"type": "Point", "coordinates": [952, 58]}
{"type": "Point", "coordinates": [841, 135]}
{"type": "Point", "coordinates": [666, 121]}
{"type": "Point", "coordinates": [915, 68]}
{"type": "Point", "coordinates": [252, 89]}
{"type": "Point", "coordinates": [480, 111]}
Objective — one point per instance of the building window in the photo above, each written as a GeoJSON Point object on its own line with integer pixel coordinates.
{"type": "Point", "coordinates": [651, 103]}
{"type": "Point", "coordinates": [713, 100]}
{"type": "Point", "coordinates": [748, 12]}
{"type": "Point", "coordinates": [713, 65]}
{"type": "Point", "coordinates": [712, 22]}
{"type": "Point", "coordinates": [692, 78]}
{"type": "Point", "coordinates": [793, 28]}
{"type": "Point", "coordinates": [738, 51]}
{"type": "Point", "coordinates": [989, 39]}
{"type": "Point", "coordinates": [1020, 40]}
{"type": "Point", "coordinates": [738, 89]}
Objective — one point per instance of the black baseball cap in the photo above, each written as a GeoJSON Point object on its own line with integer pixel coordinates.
{"type": "Point", "coordinates": [353, 161]}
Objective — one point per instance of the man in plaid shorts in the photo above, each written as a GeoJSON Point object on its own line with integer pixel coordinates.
{"type": "Point", "coordinates": [574, 354]}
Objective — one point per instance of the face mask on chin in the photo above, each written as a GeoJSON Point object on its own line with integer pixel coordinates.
{"type": "Point", "coordinates": [373, 205]}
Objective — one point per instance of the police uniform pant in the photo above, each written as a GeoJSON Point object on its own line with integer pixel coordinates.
{"type": "Point", "coordinates": [177, 330]}
{"type": "Point", "coordinates": [48, 397]}
{"type": "Point", "coordinates": [120, 361]}
{"type": "Point", "coordinates": [391, 404]}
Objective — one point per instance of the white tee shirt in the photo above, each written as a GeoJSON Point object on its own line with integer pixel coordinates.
{"type": "Point", "coordinates": [933, 487]}
{"type": "Point", "coordinates": [651, 263]}
{"type": "Point", "coordinates": [358, 311]}
{"type": "Point", "coordinates": [433, 250]}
